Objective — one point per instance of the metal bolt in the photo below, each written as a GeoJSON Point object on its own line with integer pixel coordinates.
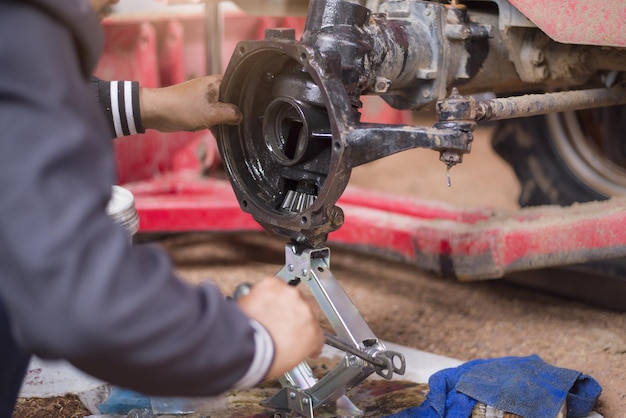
{"type": "Point", "coordinates": [290, 267]}
{"type": "Point", "coordinates": [450, 157]}
{"type": "Point", "coordinates": [304, 272]}
{"type": "Point", "coordinates": [292, 395]}
{"type": "Point", "coordinates": [381, 85]}
{"type": "Point", "coordinates": [337, 216]}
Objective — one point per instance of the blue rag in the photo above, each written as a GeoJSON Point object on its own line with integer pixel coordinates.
{"type": "Point", "coordinates": [525, 386]}
{"type": "Point", "coordinates": [121, 401]}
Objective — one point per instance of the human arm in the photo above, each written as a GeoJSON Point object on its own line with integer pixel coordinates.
{"type": "Point", "coordinates": [285, 312]}
{"type": "Point", "coordinates": [188, 106]}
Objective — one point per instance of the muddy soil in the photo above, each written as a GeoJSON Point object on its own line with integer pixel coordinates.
{"type": "Point", "coordinates": [68, 406]}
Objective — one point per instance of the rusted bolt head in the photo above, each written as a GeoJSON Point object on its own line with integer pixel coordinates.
{"type": "Point", "coordinates": [381, 85]}
{"type": "Point", "coordinates": [450, 158]}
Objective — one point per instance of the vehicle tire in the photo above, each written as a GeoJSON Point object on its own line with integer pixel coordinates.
{"type": "Point", "coordinates": [562, 159]}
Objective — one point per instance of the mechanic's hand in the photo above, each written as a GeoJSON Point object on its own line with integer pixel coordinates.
{"type": "Point", "coordinates": [188, 106]}
{"type": "Point", "coordinates": [290, 318]}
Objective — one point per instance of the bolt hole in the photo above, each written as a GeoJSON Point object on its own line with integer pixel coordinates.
{"type": "Point", "coordinates": [320, 269]}
{"type": "Point", "coordinates": [303, 56]}
{"type": "Point", "coordinates": [337, 146]}
{"type": "Point", "coordinates": [244, 203]}
{"type": "Point", "coordinates": [304, 220]}
{"type": "Point", "coordinates": [241, 50]}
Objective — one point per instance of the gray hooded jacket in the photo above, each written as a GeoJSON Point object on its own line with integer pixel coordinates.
{"type": "Point", "coordinates": [71, 283]}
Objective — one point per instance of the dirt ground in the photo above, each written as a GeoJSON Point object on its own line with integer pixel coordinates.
{"type": "Point", "coordinates": [411, 307]}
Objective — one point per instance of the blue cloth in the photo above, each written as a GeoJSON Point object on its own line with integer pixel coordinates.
{"type": "Point", "coordinates": [526, 386]}
{"type": "Point", "coordinates": [121, 401]}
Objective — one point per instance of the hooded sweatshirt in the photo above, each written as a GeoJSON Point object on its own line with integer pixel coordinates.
{"type": "Point", "coordinates": [70, 281]}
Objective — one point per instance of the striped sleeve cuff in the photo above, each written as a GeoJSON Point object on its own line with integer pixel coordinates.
{"type": "Point", "coordinates": [263, 358]}
{"type": "Point", "coordinates": [120, 100]}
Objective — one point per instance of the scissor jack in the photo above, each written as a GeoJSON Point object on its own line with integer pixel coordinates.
{"type": "Point", "coordinates": [302, 393]}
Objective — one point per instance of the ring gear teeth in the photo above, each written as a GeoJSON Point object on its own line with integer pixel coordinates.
{"type": "Point", "coordinates": [296, 202]}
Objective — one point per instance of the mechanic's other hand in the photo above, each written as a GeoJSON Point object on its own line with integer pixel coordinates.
{"type": "Point", "coordinates": [188, 106]}
{"type": "Point", "coordinates": [290, 318]}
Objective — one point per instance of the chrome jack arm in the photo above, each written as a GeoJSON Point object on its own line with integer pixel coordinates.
{"type": "Point", "coordinates": [302, 392]}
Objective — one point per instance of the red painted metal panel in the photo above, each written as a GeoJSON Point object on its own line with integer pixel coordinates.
{"type": "Point", "coordinates": [588, 22]}
{"type": "Point", "coordinates": [503, 243]}
{"type": "Point", "coordinates": [469, 244]}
